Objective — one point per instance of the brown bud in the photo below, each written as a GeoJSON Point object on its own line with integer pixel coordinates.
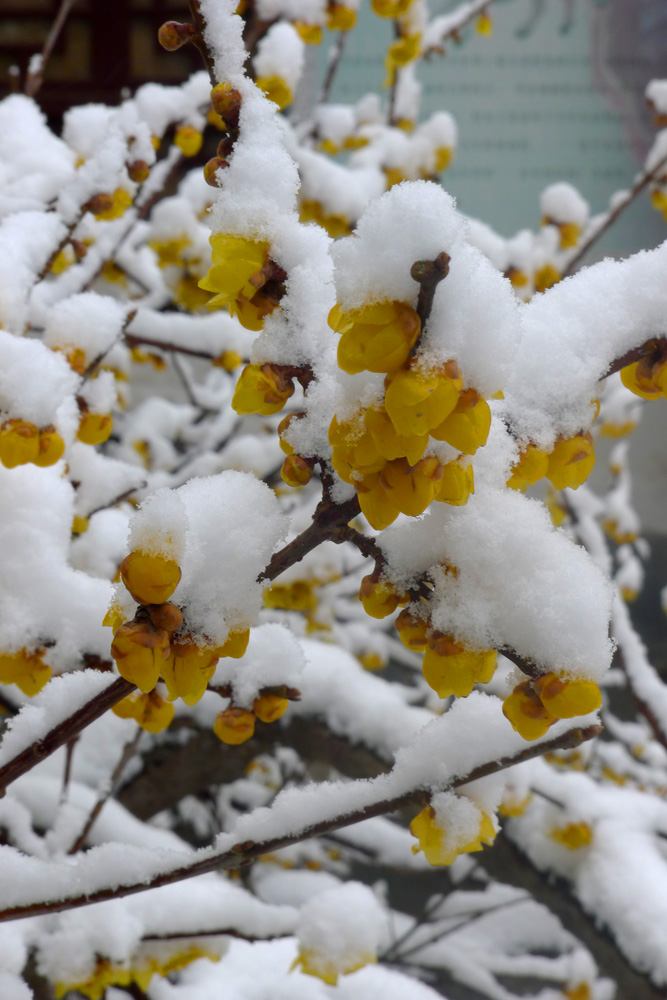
{"type": "Point", "coordinates": [226, 101]}
{"type": "Point", "coordinates": [165, 616]}
{"type": "Point", "coordinates": [80, 249]}
{"type": "Point", "coordinates": [210, 169]}
{"type": "Point", "coordinates": [297, 470]}
{"type": "Point", "coordinates": [99, 203]}
{"type": "Point", "coordinates": [138, 171]}
{"type": "Point", "coordinates": [173, 34]}
{"type": "Point", "coordinates": [225, 147]}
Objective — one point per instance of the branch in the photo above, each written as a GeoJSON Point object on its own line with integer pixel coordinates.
{"type": "Point", "coordinates": [132, 340]}
{"type": "Point", "coordinates": [244, 853]}
{"type": "Point", "coordinates": [335, 55]}
{"type": "Point", "coordinates": [64, 732]}
{"type": "Point", "coordinates": [429, 274]}
{"type": "Point", "coordinates": [657, 345]}
{"type": "Point", "coordinates": [474, 10]}
{"type": "Point", "coordinates": [35, 78]}
{"type": "Point", "coordinates": [611, 217]}
{"type": "Point", "coordinates": [327, 520]}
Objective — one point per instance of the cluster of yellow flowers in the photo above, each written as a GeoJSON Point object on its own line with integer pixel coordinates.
{"type": "Point", "coordinates": [108, 973]}
{"type": "Point", "coordinates": [380, 450]}
{"type": "Point", "coordinates": [313, 211]}
{"type": "Point", "coordinates": [21, 442]}
{"type": "Point", "coordinates": [338, 18]}
{"type": "Point", "coordinates": [155, 644]}
{"type": "Point", "coordinates": [534, 705]}
{"type": "Point", "coordinates": [569, 464]}
{"type": "Point", "coordinates": [648, 376]}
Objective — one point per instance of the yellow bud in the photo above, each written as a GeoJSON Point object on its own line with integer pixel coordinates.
{"type": "Point", "coordinates": [275, 89]}
{"type": "Point", "coordinates": [19, 443]}
{"type": "Point", "coordinates": [188, 139]}
{"type": "Point", "coordinates": [637, 379]}
{"type": "Point", "coordinates": [526, 712]}
{"type": "Point", "coordinates": [412, 631]}
{"type": "Point", "coordinates": [438, 845]}
{"type": "Point", "coordinates": [79, 524]}
{"type": "Point", "coordinates": [235, 644]}
{"type": "Point", "coordinates": [378, 597]}
{"type": "Point", "coordinates": [571, 462]}
{"type": "Point", "coordinates": [187, 669]}
{"type": "Point", "coordinates": [532, 465]}
{"type": "Point", "coordinates": [120, 202]}
{"type": "Point", "coordinates": [467, 427]}
{"type": "Point", "coordinates": [451, 669]}
{"type": "Point", "coordinates": [484, 25]}
{"type": "Point", "coordinates": [269, 707]}
{"type": "Point", "coordinates": [573, 835]}
{"type": "Point", "coordinates": [417, 403]}
{"type": "Point", "coordinates": [340, 18]}
{"type": "Point", "coordinates": [95, 428]}
{"type": "Point", "coordinates": [296, 471]}
{"type": "Point", "coordinates": [456, 485]}
{"type": "Point", "coordinates": [151, 711]}
{"type": "Point", "coordinates": [546, 277]}
{"type": "Point", "coordinates": [150, 579]}
{"type": "Point", "coordinates": [565, 697]}
{"type": "Point", "coordinates": [261, 389]}
{"type": "Point", "coordinates": [379, 509]}
{"type": "Point", "coordinates": [140, 651]}
{"type": "Point", "coordinates": [234, 726]}
{"type": "Point", "coordinates": [229, 360]}
{"type": "Point", "coordinates": [377, 337]}
{"type": "Point", "coordinates": [311, 34]}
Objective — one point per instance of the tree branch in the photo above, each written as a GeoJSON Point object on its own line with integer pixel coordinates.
{"type": "Point", "coordinates": [244, 853]}
{"type": "Point", "coordinates": [35, 79]}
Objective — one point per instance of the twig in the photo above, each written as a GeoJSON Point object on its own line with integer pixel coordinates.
{"type": "Point", "coordinates": [429, 274]}
{"type": "Point", "coordinates": [611, 217]}
{"type": "Point", "coordinates": [67, 774]}
{"type": "Point", "coordinates": [34, 80]}
{"type": "Point", "coordinates": [656, 345]}
{"type": "Point", "coordinates": [227, 931]}
{"type": "Point", "coordinates": [335, 55]}
{"type": "Point", "coordinates": [64, 732]}
{"type": "Point", "coordinates": [199, 39]}
{"type": "Point", "coordinates": [246, 852]}
{"type": "Point", "coordinates": [475, 10]}
{"type": "Point", "coordinates": [128, 752]}
{"type": "Point", "coordinates": [61, 246]}
{"type": "Point", "coordinates": [327, 519]}
{"type": "Point", "coordinates": [132, 339]}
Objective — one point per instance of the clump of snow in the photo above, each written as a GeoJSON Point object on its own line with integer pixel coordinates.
{"type": "Point", "coordinates": [341, 928]}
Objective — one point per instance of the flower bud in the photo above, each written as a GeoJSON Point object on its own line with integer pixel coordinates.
{"type": "Point", "coordinates": [226, 101]}
{"type": "Point", "coordinates": [296, 470]}
{"type": "Point", "coordinates": [211, 168]}
{"type": "Point", "coordinates": [138, 171]}
{"type": "Point", "coordinates": [172, 35]}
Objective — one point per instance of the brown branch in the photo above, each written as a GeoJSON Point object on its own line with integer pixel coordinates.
{"type": "Point", "coordinates": [64, 732]}
{"type": "Point", "coordinates": [327, 519]}
{"type": "Point", "coordinates": [133, 339]}
{"type": "Point", "coordinates": [429, 274]}
{"type": "Point", "coordinates": [35, 80]}
{"type": "Point", "coordinates": [227, 931]}
{"type": "Point", "coordinates": [611, 217]}
{"type": "Point", "coordinates": [335, 55]}
{"type": "Point", "coordinates": [242, 854]}
{"type": "Point", "coordinates": [454, 31]}
{"type": "Point", "coordinates": [199, 39]}
{"type": "Point", "coordinates": [61, 246]}
{"type": "Point", "coordinates": [128, 752]}
{"type": "Point", "coordinates": [657, 345]}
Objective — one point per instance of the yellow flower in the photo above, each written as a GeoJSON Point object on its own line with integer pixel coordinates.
{"type": "Point", "coordinates": [580, 991]}
{"type": "Point", "coordinates": [418, 402]}
{"type": "Point", "coordinates": [379, 597]}
{"type": "Point", "coordinates": [467, 426]}
{"type": "Point", "coordinates": [573, 835]}
{"type": "Point", "coordinates": [390, 442]}
{"type": "Point", "coordinates": [297, 596]}
{"type": "Point", "coordinates": [566, 697]}
{"type": "Point", "coordinates": [51, 447]}
{"type": "Point", "coordinates": [377, 338]}
{"type": "Point", "coordinates": [456, 484]}
{"type": "Point", "coordinates": [25, 669]}
{"type": "Point", "coordinates": [512, 805]}
{"type": "Point", "coordinates": [484, 25]}
{"type": "Point", "coordinates": [340, 17]}
{"type": "Point", "coordinates": [296, 471]}
{"type": "Point", "coordinates": [311, 34]}
{"type": "Point", "coordinates": [150, 579]}
{"type": "Point", "coordinates": [235, 644]}
{"type": "Point", "coordinates": [546, 277]}
{"type": "Point", "coordinates": [269, 707]}
{"type": "Point", "coordinates": [95, 428]}
{"type": "Point", "coordinates": [151, 711]}
{"type": "Point", "coordinates": [443, 157]}
{"type": "Point", "coordinates": [140, 651]}
{"type": "Point", "coordinates": [19, 443]}
{"type": "Point", "coordinates": [355, 450]}
{"type": "Point", "coordinates": [569, 234]}
{"type": "Point", "coordinates": [188, 669]}
{"type": "Point", "coordinates": [79, 524]}
{"type": "Point", "coordinates": [391, 8]}
{"type": "Point", "coordinates": [412, 631]}
{"type": "Point", "coordinates": [571, 462]}
{"type": "Point", "coordinates": [170, 252]}
{"type": "Point", "coordinates": [376, 505]}
{"type": "Point", "coordinates": [451, 669]}
{"type": "Point", "coordinates": [261, 389]}
{"type": "Point", "coordinates": [412, 487]}
{"type": "Point", "coordinates": [401, 52]}
{"type": "Point", "coordinates": [229, 360]}
{"type": "Point", "coordinates": [532, 466]}
{"type": "Point", "coordinates": [526, 712]}
{"type": "Point", "coordinates": [188, 139]}
{"type": "Point", "coordinates": [439, 847]}
{"type": "Point", "coordinates": [638, 379]}
{"type": "Point", "coordinates": [120, 202]}
{"type": "Point", "coordinates": [275, 89]}
{"type": "Point", "coordinates": [312, 963]}
{"type": "Point", "coordinates": [236, 262]}
{"type": "Point", "coordinates": [234, 726]}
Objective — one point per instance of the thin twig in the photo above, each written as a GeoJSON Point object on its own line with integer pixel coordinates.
{"type": "Point", "coordinates": [335, 55]}
{"type": "Point", "coordinates": [132, 340]}
{"type": "Point", "coordinates": [611, 217]}
{"type": "Point", "coordinates": [247, 851]}
{"type": "Point", "coordinates": [35, 80]}
{"type": "Point", "coordinates": [128, 752]}
{"type": "Point", "coordinates": [67, 774]}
